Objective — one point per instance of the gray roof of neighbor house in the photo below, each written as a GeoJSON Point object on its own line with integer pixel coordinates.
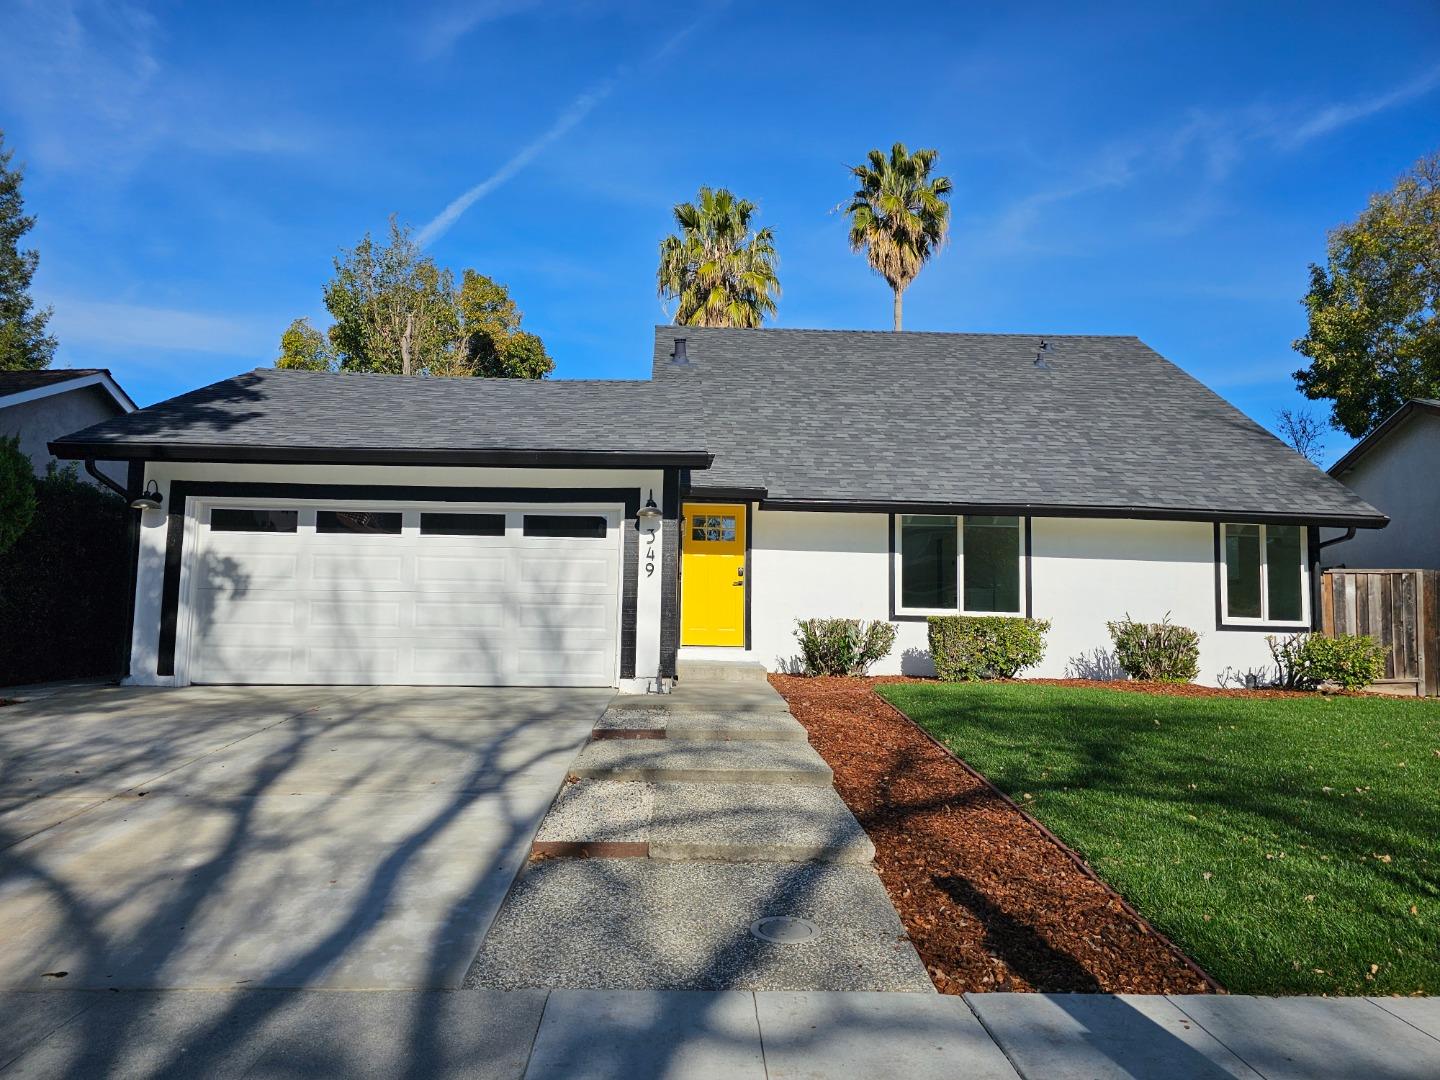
{"type": "Point", "coordinates": [301, 416]}
{"type": "Point", "coordinates": [1381, 434]}
{"type": "Point", "coordinates": [15, 382]}
{"type": "Point", "coordinates": [880, 419]}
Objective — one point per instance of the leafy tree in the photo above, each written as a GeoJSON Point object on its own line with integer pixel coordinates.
{"type": "Point", "coordinates": [17, 492]}
{"type": "Point", "coordinates": [24, 344]}
{"type": "Point", "coordinates": [396, 312]}
{"type": "Point", "coordinates": [1374, 337]}
{"type": "Point", "coordinates": [719, 271]}
{"type": "Point", "coordinates": [1302, 432]}
{"type": "Point", "coordinates": [304, 348]}
{"type": "Point", "coordinates": [898, 215]}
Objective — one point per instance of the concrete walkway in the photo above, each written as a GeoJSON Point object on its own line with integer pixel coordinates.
{"type": "Point", "coordinates": [735, 1035]}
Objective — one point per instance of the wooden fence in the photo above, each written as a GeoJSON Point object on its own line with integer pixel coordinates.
{"type": "Point", "coordinates": [1398, 608]}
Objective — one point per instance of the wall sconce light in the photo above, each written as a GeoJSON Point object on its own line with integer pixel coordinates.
{"type": "Point", "coordinates": [649, 515]}
{"type": "Point", "coordinates": [150, 500]}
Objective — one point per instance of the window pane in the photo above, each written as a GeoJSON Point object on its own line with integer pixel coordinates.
{"type": "Point", "coordinates": [713, 527]}
{"type": "Point", "coordinates": [928, 552]}
{"type": "Point", "coordinates": [1283, 572]}
{"type": "Point", "coordinates": [232, 519]}
{"type": "Point", "coordinates": [992, 563]}
{"type": "Point", "coordinates": [573, 526]}
{"type": "Point", "coordinates": [462, 524]}
{"type": "Point", "coordinates": [1242, 571]}
{"type": "Point", "coordinates": [357, 521]}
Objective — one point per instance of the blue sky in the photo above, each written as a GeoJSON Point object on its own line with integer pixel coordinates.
{"type": "Point", "coordinates": [1161, 170]}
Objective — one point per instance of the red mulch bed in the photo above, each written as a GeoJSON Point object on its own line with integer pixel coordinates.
{"type": "Point", "coordinates": [990, 901]}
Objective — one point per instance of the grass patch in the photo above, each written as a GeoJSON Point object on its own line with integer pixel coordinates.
{"type": "Point", "coordinates": [1291, 846]}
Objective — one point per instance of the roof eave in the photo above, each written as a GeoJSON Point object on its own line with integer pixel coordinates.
{"type": "Point", "coordinates": [1075, 510]}
{"type": "Point", "coordinates": [1352, 457]}
{"type": "Point", "coordinates": [313, 455]}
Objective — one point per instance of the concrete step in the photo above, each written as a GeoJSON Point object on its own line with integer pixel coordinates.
{"type": "Point", "coordinates": [708, 697]}
{"type": "Point", "coordinates": [742, 671]}
{"type": "Point", "coordinates": [689, 761]}
{"type": "Point", "coordinates": [621, 722]}
{"type": "Point", "coordinates": [707, 822]}
{"type": "Point", "coordinates": [755, 823]}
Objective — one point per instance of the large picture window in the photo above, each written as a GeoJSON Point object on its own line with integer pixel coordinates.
{"type": "Point", "coordinates": [1263, 578]}
{"type": "Point", "coordinates": [948, 564]}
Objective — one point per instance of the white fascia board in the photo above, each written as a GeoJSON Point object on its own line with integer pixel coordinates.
{"type": "Point", "coordinates": [100, 379]}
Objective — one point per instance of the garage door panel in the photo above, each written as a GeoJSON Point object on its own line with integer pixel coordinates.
{"type": "Point", "coordinates": [245, 570]}
{"type": "Point", "coordinates": [358, 571]}
{"type": "Point", "coordinates": [324, 614]}
{"type": "Point", "coordinates": [459, 615]}
{"type": "Point", "coordinates": [407, 607]}
{"type": "Point", "coordinates": [482, 568]}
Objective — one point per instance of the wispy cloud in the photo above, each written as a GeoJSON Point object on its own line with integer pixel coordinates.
{"type": "Point", "coordinates": [1332, 118]}
{"type": "Point", "coordinates": [445, 26]}
{"type": "Point", "coordinates": [90, 81]}
{"type": "Point", "coordinates": [575, 112]}
{"type": "Point", "coordinates": [110, 325]}
{"type": "Point", "coordinates": [1189, 160]}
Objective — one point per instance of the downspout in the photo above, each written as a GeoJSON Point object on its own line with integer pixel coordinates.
{"type": "Point", "coordinates": [1349, 535]}
{"type": "Point", "coordinates": [1317, 619]}
{"type": "Point", "coordinates": [102, 478]}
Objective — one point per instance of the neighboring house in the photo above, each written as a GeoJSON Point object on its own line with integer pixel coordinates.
{"type": "Point", "coordinates": [40, 406]}
{"type": "Point", "coordinates": [1396, 468]}
{"type": "Point", "coordinates": [381, 529]}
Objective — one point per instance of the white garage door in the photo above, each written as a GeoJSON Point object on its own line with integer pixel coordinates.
{"type": "Point", "coordinates": [411, 595]}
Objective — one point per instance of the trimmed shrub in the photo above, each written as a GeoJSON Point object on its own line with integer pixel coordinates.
{"type": "Point", "coordinates": [842, 646]}
{"type": "Point", "coordinates": [17, 492]}
{"type": "Point", "coordinates": [1349, 661]}
{"type": "Point", "coordinates": [967, 647]}
{"type": "Point", "coordinates": [64, 585]}
{"type": "Point", "coordinates": [1156, 652]}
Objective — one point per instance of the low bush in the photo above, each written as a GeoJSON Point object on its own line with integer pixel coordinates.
{"type": "Point", "coordinates": [1156, 652]}
{"type": "Point", "coordinates": [967, 647]}
{"type": "Point", "coordinates": [1307, 661]}
{"type": "Point", "coordinates": [842, 646]}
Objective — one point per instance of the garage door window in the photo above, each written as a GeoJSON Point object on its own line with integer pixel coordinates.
{"type": "Point", "coordinates": [569, 526]}
{"type": "Point", "coordinates": [235, 519]}
{"type": "Point", "coordinates": [462, 524]}
{"type": "Point", "coordinates": [366, 522]}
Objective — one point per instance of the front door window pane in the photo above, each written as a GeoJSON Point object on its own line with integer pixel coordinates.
{"type": "Point", "coordinates": [928, 553]}
{"type": "Point", "coordinates": [1242, 571]}
{"type": "Point", "coordinates": [992, 564]}
{"type": "Point", "coordinates": [712, 527]}
{"type": "Point", "coordinates": [1283, 573]}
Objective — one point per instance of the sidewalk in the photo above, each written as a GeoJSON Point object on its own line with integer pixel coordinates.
{"type": "Point", "coordinates": [631, 1035]}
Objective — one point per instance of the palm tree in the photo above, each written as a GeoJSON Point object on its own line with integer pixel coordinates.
{"type": "Point", "coordinates": [898, 215]}
{"type": "Point", "coordinates": [718, 270]}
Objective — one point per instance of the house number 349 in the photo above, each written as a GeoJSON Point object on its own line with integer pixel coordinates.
{"type": "Point", "coordinates": [650, 554]}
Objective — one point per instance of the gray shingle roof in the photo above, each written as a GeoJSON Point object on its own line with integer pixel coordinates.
{"type": "Point", "coordinates": [16, 382]}
{"type": "Point", "coordinates": [968, 420]}
{"type": "Point", "coordinates": [300, 415]}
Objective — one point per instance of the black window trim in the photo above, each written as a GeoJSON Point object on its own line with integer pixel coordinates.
{"type": "Point", "coordinates": [1309, 583]}
{"type": "Point", "coordinates": [1026, 547]}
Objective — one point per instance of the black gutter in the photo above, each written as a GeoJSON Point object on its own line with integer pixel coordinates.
{"type": "Point", "coordinates": [102, 478]}
{"type": "Point", "coordinates": [311, 455]}
{"type": "Point", "coordinates": [1349, 535]}
{"type": "Point", "coordinates": [1064, 510]}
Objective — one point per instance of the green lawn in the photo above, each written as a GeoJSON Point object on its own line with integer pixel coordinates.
{"type": "Point", "coordinates": [1288, 845]}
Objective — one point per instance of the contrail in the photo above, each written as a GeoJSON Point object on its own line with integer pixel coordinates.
{"type": "Point", "coordinates": [575, 112]}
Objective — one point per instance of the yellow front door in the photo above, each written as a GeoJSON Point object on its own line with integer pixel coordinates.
{"type": "Point", "coordinates": [712, 575]}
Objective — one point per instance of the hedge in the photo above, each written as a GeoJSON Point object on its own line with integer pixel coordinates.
{"type": "Point", "coordinates": [966, 647]}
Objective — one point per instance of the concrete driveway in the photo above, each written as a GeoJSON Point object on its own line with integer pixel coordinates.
{"type": "Point", "coordinates": [227, 837]}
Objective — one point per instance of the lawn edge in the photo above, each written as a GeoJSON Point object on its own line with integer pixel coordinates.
{"type": "Point", "coordinates": [1065, 849]}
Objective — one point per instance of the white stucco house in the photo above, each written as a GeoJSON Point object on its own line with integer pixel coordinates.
{"type": "Point", "coordinates": [1394, 468]}
{"type": "Point", "coordinates": [319, 528]}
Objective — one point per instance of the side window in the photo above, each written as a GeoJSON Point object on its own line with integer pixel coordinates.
{"type": "Point", "coordinates": [236, 519]}
{"type": "Point", "coordinates": [362, 522]}
{"type": "Point", "coordinates": [567, 526]}
{"type": "Point", "coordinates": [1265, 573]}
{"type": "Point", "coordinates": [991, 551]}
